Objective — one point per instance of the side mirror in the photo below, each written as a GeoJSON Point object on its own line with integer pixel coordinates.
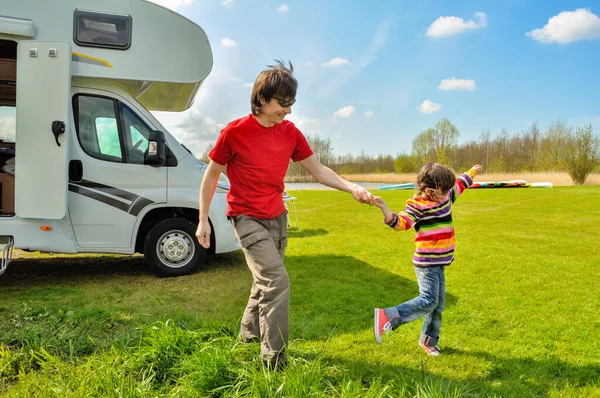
{"type": "Point", "coordinates": [156, 153]}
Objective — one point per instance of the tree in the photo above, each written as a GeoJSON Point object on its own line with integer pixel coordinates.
{"type": "Point", "coordinates": [531, 141]}
{"type": "Point", "coordinates": [405, 163]}
{"type": "Point", "coordinates": [436, 144]}
{"type": "Point", "coordinates": [553, 144]}
{"type": "Point", "coordinates": [204, 158]}
{"type": "Point", "coordinates": [582, 154]}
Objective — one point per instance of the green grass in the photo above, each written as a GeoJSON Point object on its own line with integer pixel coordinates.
{"type": "Point", "coordinates": [521, 319]}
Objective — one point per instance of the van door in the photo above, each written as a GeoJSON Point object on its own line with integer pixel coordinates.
{"type": "Point", "coordinates": [109, 184]}
{"type": "Point", "coordinates": [43, 116]}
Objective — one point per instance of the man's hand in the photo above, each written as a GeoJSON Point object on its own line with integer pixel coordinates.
{"type": "Point", "coordinates": [203, 234]}
{"type": "Point", "coordinates": [361, 194]}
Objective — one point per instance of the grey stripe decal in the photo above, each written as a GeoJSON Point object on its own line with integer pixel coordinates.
{"type": "Point", "coordinates": [108, 189]}
{"type": "Point", "coordinates": [99, 197]}
{"type": "Point", "coordinates": [138, 203]}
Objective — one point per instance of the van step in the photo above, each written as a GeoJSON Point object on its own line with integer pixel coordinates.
{"type": "Point", "coordinates": [6, 250]}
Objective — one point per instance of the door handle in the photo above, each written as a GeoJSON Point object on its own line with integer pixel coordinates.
{"type": "Point", "coordinates": [58, 128]}
{"type": "Point", "coordinates": [75, 170]}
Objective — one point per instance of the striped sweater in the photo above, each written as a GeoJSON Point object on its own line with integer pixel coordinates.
{"type": "Point", "coordinates": [435, 241]}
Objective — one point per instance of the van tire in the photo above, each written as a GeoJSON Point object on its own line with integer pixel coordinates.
{"type": "Point", "coordinates": [185, 255]}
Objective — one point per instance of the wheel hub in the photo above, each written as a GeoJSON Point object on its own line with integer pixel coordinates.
{"type": "Point", "coordinates": [175, 248]}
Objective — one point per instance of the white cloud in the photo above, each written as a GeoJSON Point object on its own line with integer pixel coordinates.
{"type": "Point", "coordinates": [306, 124]}
{"type": "Point", "coordinates": [283, 8]}
{"type": "Point", "coordinates": [567, 27]}
{"type": "Point", "coordinates": [173, 4]}
{"type": "Point", "coordinates": [220, 100]}
{"type": "Point", "coordinates": [379, 39]}
{"type": "Point", "coordinates": [457, 84]}
{"type": "Point", "coordinates": [228, 43]}
{"type": "Point", "coordinates": [450, 26]}
{"type": "Point", "coordinates": [248, 85]}
{"type": "Point", "coordinates": [227, 3]}
{"type": "Point", "coordinates": [346, 111]}
{"type": "Point", "coordinates": [369, 113]}
{"type": "Point", "coordinates": [428, 107]}
{"type": "Point", "coordinates": [335, 62]}
{"type": "Point", "coordinates": [191, 128]}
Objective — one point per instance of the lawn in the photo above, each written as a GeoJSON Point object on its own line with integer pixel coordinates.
{"type": "Point", "coordinates": [521, 318]}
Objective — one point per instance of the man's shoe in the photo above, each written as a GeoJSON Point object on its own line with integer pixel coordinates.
{"type": "Point", "coordinates": [278, 362]}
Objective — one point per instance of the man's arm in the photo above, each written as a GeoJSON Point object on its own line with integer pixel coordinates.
{"type": "Point", "coordinates": [207, 190]}
{"type": "Point", "coordinates": [328, 177]}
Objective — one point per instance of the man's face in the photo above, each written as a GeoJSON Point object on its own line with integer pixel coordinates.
{"type": "Point", "coordinates": [277, 109]}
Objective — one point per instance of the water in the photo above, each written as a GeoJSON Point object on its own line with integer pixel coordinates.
{"type": "Point", "coordinates": [293, 186]}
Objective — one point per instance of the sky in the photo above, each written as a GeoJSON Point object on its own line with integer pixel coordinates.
{"type": "Point", "coordinates": [374, 74]}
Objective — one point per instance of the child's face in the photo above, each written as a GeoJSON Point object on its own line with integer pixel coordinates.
{"type": "Point", "coordinates": [435, 195]}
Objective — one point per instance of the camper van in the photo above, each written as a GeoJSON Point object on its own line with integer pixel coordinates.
{"type": "Point", "coordinates": [87, 168]}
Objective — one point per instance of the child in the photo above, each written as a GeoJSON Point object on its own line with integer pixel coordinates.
{"type": "Point", "coordinates": [430, 212]}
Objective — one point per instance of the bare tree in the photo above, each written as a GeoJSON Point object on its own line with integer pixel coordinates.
{"type": "Point", "coordinates": [553, 145]}
{"type": "Point", "coordinates": [436, 144]}
{"type": "Point", "coordinates": [582, 154]}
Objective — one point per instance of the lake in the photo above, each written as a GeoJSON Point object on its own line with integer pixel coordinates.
{"type": "Point", "coordinates": [294, 186]}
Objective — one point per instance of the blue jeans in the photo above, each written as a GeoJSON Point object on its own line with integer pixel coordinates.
{"type": "Point", "coordinates": [430, 304]}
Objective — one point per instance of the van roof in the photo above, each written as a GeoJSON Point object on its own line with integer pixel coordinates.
{"type": "Point", "coordinates": [159, 56]}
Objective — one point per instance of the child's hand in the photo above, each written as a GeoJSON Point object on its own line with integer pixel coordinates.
{"type": "Point", "coordinates": [477, 169]}
{"type": "Point", "coordinates": [377, 201]}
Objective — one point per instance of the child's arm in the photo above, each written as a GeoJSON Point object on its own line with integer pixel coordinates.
{"type": "Point", "coordinates": [398, 222]}
{"type": "Point", "coordinates": [465, 180]}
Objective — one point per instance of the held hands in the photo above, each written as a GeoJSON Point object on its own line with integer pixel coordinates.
{"type": "Point", "coordinates": [203, 234]}
{"type": "Point", "coordinates": [378, 201]}
{"type": "Point", "coordinates": [362, 195]}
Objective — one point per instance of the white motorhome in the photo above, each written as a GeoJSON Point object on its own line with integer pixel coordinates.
{"type": "Point", "coordinates": [90, 169]}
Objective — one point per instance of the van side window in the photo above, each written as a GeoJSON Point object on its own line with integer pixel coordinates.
{"type": "Point", "coordinates": [100, 29]}
{"type": "Point", "coordinates": [97, 127]}
{"type": "Point", "coordinates": [109, 130]}
{"type": "Point", "coordinates": [135, 135]}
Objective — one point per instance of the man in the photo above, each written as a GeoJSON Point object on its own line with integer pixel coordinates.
{"type": "Point", "coordinates": [257, 150]}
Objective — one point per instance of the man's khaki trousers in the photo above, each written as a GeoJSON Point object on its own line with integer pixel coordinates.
{"type": "Point", "coordinates": [267, 313]}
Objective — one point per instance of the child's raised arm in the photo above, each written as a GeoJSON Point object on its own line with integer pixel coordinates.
{"type": "Point", "coordinates": [464, 181]}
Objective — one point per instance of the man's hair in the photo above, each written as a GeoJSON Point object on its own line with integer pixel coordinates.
{"type": "Point", "coordinates": [276, 81]}
{"type": "Point", "coordinates": [435, 176]}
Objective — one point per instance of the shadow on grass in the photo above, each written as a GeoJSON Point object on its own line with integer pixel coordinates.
{"type": "Point", "coordinates": [48, 270]}
{"type": "Point", "coordinates": [506, 377]}
{"type": "Point", "coordinates": [332, 293]}
{"type": "Point", "coordinates": [307, 233]}
{"type": "Point", "coordinates": [529, 376]}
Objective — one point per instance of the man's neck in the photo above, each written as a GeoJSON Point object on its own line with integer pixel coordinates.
{"type": "Point", "coordinates": [264, 121]}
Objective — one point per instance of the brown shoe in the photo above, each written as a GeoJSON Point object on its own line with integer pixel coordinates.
{"type": "Point", "coordinates": [278, 362]}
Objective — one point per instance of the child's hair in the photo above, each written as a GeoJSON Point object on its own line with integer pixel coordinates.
{"type": "Point", "coordinates": [435, 176]}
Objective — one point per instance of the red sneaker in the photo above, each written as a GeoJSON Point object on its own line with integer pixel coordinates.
{"type": "Point", "coordinates": [431, 351]}
{"type": "Point", "coordinates": [381, 324]}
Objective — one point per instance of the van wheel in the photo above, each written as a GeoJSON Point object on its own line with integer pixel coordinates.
{"type": "Point", "coordinates": [171, 248]}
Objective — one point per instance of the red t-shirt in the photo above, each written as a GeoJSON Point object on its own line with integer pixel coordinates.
{"type": "Point", "coordinates": [257, 160]}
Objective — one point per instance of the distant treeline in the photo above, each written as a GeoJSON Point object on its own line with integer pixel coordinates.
{"type": "Point", "coordinates": [559, 147]}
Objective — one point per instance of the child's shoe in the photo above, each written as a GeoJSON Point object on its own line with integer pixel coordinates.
{"type": "Point", "coordinates": [381, 324]}
{"type": "Point", "coordinates": [431, 351]}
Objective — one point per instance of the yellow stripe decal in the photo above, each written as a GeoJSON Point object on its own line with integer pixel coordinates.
{"type": "Point", "coordinates": [87, 58]}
